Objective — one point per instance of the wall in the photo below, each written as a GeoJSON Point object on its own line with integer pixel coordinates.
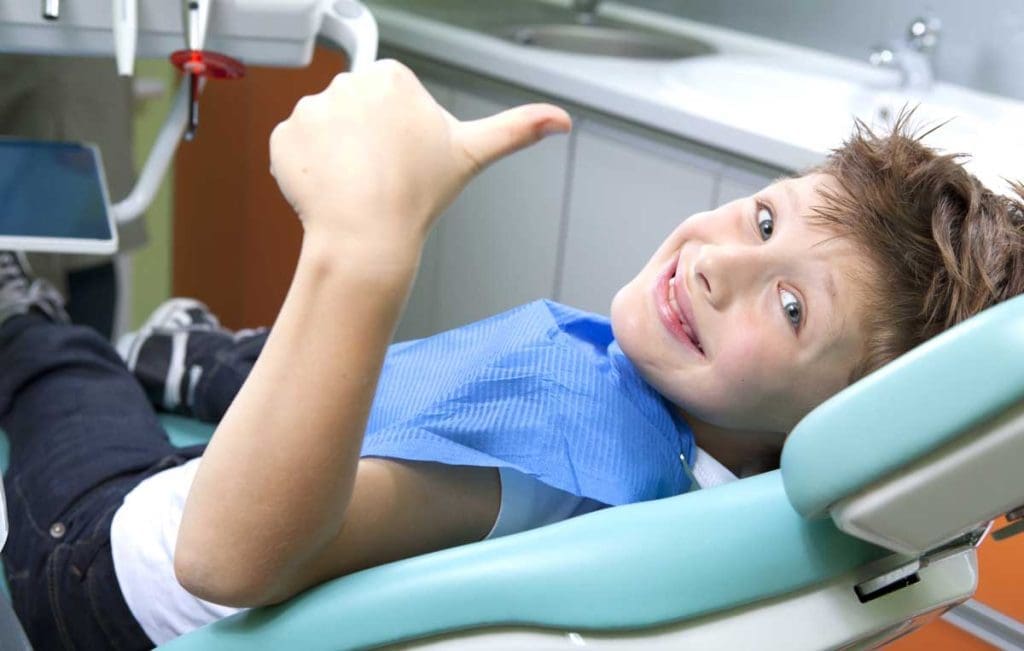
{"type": "Point", "coordinates": [981, 45]}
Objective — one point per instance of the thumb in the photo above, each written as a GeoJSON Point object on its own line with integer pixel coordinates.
{"type": "Point", "coordinates": [488, 139]}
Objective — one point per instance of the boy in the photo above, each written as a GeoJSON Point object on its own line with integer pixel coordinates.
{"type": "Point", "coordinates": [744, 320]}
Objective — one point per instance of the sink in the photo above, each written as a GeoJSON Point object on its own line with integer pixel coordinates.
{"type": "Point", "coordinates": [553, 27]}
{"type": "Point", "coordinates": [605, 41]}
{"type": "Point", "coordinates": [814, 108]}
{"type": "Point", "coordinates": [746, 84]}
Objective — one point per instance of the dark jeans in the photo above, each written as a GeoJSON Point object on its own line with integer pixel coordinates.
{"type": "Point", "coordinates": [82, 435]}
{"type": "Point", "coordinates": [92, 297]}
{"type": "Point", "coordinates": [225, 367]}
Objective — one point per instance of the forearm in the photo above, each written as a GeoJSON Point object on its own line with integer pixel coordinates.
{"type": "Point", "coordinates": [371, 160]}
{"type": "Point", "coordinates": [278, 475]}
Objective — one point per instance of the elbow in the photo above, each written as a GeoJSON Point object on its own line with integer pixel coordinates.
{"type": "Point", "coordinates": [226, 582]}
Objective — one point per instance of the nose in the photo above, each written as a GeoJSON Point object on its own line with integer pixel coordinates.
{"type": "Point", "coordinates": [724, 273]}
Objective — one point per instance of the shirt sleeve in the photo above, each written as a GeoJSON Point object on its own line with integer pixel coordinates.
{"type": "Point", "coordinates": [528, 503]}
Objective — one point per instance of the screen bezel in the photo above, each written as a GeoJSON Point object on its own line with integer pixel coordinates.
{"type": "Point", "coordinates": [68, 244]}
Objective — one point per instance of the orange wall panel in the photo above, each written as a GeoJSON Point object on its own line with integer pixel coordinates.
{"type": "Point", "coordinates": [236, 240]}
{"type": "Point", "coordinates": [1000, 586]}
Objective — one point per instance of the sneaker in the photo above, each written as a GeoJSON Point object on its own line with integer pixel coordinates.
{"type": "Point", "coordinates": [20, 292]}
{"type": "Point", "coordinates": [164, 352]}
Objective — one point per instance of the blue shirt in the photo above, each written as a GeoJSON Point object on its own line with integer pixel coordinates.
{"type": "Point", "coordinates": [543, 389]}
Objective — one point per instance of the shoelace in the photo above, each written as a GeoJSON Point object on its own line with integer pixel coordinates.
{"type": "Point", "coordinates": [11, 269]}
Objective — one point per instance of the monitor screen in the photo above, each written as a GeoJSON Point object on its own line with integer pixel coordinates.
{"type": "Point", "coordinates": [52, 190]}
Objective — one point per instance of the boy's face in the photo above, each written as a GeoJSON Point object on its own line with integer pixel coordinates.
{"type": "Point", "coordinates": [771, 299]}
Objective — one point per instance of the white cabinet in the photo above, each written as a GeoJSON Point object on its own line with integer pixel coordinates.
{"type": "Point", "coordinates": [418, 318]}
{"type": "Point", "coordinates": [742, 182]}
{"type": "Point", "coordinates": [498, 242]}
{"type": "Point", "coordinates": [572, 218]}
{"type": "Point", "coordinates": [627, 194]}
{"type": "Point", "coordinates": [496, 246]}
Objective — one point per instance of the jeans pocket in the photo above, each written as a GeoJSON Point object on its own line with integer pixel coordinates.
{"type": "Point", "coordinates": [94, 565]}
{"type": "Point", "coordinates": [22, 511]}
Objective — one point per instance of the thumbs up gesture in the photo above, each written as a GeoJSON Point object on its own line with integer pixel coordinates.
{"type": "Point", "coordinates": [373, 158]}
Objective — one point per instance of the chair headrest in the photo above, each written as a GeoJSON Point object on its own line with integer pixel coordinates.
{"type": "Point", "coordinates": [928, 397]}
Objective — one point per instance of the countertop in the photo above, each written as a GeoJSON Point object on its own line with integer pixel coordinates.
{"type": "Point", "coordinates": [700, 106]}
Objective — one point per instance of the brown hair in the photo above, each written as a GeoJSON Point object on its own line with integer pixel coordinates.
{"type": "Point", "coordinates": [945, 247]}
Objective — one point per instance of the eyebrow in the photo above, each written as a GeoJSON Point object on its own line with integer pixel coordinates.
{"type": "Point", "coordinates": [790, 195]}
{"type": "Point", "coordinates": [830, 320]}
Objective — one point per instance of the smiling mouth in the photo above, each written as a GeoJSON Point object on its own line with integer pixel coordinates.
{"type": "Point", "coordinates": [678, 313]}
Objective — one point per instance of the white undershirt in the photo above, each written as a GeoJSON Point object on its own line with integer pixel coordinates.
{"type": "Point", "coordinates": [145, 528]}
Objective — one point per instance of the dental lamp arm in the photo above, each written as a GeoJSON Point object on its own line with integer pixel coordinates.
{"type": "Point", "coordinates": [349, 25]}
{"type": "Point", "coordinates": [346, 24]}
{"type": "Point", "coordinates": [131, 207]}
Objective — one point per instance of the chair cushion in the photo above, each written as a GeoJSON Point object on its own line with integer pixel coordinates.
{"type": "Point", "coordinates": [627, 567]}
{"type": "Point", "coordinates": [919, 402]}
{"type": "Point", "coordinates": [184, 432]}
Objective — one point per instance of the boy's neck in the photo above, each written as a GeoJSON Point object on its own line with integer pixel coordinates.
{"type": "Point", "coordinates": [744, 452]}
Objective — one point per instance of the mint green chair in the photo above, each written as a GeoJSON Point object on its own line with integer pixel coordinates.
{"type": "Point", "coordinates": [868, 530]}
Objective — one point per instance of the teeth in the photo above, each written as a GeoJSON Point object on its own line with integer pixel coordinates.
{"type": "Point", "coordinates": [679, 313]}
{"type": "Point", "coordinates": [672, 300]}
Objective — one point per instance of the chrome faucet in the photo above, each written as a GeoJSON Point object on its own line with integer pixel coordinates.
{"type": "Point", "coordinates": [586, 11]}
{"type": "Point", "coordinates": [912, 55]}
{"type": "Point", "coordinates": [51, 9]}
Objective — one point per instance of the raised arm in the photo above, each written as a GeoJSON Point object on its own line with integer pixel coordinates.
{"type": "Point", "coordinates": [367, 164]}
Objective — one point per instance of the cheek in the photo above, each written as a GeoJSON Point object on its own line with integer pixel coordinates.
{"type": "Point", "coordinates": [624, 311]}
{"type": "Point", "coordinates": [631, 325]}
{"type": "Point", "coordinates": [740, 365]}
{"type": "Point", "coordinates": [825, 379]}
{"type": "Point", "coordinates": [748, 376]}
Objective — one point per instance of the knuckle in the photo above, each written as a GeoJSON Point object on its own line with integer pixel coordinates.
{"type": "Point", "coordinates": [339, 81]}
{"type": "Point", "coordinates": [307, 110]}
{"type": "Point", "coordinates": [276, 135]}
{"type": "Point", "coordinates": [395, 70]}
{"type": "Point", "coordinates": [303, 105]}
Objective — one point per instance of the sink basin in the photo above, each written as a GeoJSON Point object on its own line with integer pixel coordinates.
{"type": "Point", "coordinates": [605, 41]}
{"type": "Point", "coordinates": [553, 27]}
{"type": "Point", "coordinates": [815, 110]}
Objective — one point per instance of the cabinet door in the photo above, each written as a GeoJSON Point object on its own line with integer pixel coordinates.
{"type": "Point", "coordinates": [497, 244]}
{"type": "Point", "coordinates": [627, 194]}
{"type": "Point", "coordinates": [738, 182]}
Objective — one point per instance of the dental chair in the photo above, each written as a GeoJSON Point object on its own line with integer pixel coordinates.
{"type": "Point", "coordinates": [867, 531]}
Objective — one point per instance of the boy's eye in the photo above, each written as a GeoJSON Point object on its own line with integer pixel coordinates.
{"type": "Point", "coordinates": [791, 307]}
{"type": "Point", "coordinates": [765, 221]}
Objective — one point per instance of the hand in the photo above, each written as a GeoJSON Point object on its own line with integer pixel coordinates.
{"type": "Point", "coordinates": [374, 157]}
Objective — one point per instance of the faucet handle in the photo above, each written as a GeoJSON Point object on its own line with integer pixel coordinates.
{"type": "Point", "coordinates": [586, 11]}
{"type": "Point", "coordinates": [923, 33]}
{"type": "Point", "coordinates": [882, 55]}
